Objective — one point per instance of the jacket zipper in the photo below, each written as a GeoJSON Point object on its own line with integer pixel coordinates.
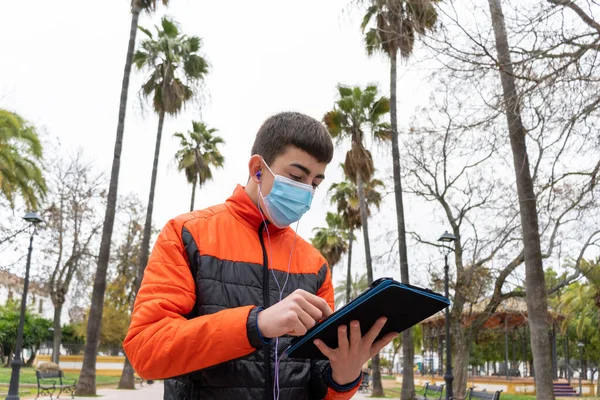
{"type": "Point", "coordinates": [267, 303]}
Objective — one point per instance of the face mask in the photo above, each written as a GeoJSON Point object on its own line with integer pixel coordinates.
{"type": "Point", "coordinates": [288, 200]}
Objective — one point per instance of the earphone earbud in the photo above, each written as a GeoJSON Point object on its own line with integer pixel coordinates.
{"type": "Point", "coordinates": [258, 175]}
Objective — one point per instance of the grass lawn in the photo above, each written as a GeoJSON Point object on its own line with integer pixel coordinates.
{"type": "Point", "coordinates": [28, 376]}
{"type": "Point", "coordinates": [395, 393]}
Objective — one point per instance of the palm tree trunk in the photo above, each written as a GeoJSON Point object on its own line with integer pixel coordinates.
{"type": "Point", "coordinates": [86, 385]}
{"type": "Point", "coordinates": [31, 359]}
{"type": "Point", "coordinates": [365, 226]}
{"type": "Point", "coordinates": [9, 358]}
{"type": "Point", "coordinates": [537, 300]}
{"type": "Point", "coordinates": [57, 333]}
{"type": "Point", "coordinates": [127, 380]}
{"type": "Point", "coordinates": [377, 385]}
{"type": "Point", "coordinates": [193, 195]}
{"type": "Point", "coordinates": [349, 271]}
{"type": "Point", "coordinates": [408, 352]}
{"type": "Point", "coordinates": [145, 247]}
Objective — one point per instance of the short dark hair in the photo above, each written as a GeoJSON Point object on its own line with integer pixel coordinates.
{"type": "Point", "coordinates": [293, 129]}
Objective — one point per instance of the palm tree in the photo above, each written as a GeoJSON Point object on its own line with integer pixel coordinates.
{"type": "Point", "coordinates": [345, 196]}
{"type": "Point", "coordinates": [198, 151]}
{"type": "Point", "coordinates": [355, 110]}
{"type": "Point", "coordinates": [331, 241]}
{"type": "Point", "coordinates": [583, 299]}
{"type": "Point", "coordinates": [86, 385]}
{"type": "Point", "coordinates": [396, 23]}
{"type": "Point", "coordinates": [170, 58]}
{"type": "Point", "coordinates": [20, 155]}
{"type": "Point", "coordinates": [357, 286]}
{"type": "Point", "coordinates": [580, 304]}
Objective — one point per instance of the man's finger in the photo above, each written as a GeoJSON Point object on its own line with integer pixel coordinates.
{"type": "Point", "coordinates": [381, 343]}
{"type": "Point", "coordinates": [326, 350]}
{"type": "Point", "coordinates": [343, 337]}
{"type": "Point", "coordinates": [318, 302]}
{"type": "Point", "coordinates": [297, 327]}
{"type": "Point", "coordinates": [306, 319]}
{"type": "Point", "coordinates": [370, 337]}
{"type": "Point", "coordinates": [307, 306]}
{"type": "Point", "coordinates": [355, 335]}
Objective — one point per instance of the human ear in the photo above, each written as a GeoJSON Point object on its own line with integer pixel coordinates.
{"type": "Point", "coordinates": [255, 168]}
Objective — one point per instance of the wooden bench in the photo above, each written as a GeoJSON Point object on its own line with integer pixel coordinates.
{"type": "Point", "coordinates": [430, 392]}
{"type": "Point", "coordinates": [49, 380]}
{"type": "Point", "coordinates": [141, 381]}
{"type": "Point", "coordinates": [483, 395]}
{"type": "Point", "coordinates": [365, 385]}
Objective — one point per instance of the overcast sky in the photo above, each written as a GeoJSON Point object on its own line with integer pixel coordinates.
{"type": "Point", "coordinates": [62, 67]}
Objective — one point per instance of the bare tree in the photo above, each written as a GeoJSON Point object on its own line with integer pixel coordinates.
{"type": "Point", "coordinates": [456, 160]}
{"type": "Point", "coordinates": [448, 164]}
{"type": "Point", "coordinates": [73, 223]}
{"type": "Point", "coordinates": [547, 59]}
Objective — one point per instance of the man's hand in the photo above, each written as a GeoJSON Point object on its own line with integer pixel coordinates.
{"type": "Point", "coordinates": [294, 315]}
{"type": "Point", "coordinates": [348, 359]}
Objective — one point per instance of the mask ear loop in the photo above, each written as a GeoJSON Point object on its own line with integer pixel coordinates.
{"type": "Point", "coordinates": [280, 288]}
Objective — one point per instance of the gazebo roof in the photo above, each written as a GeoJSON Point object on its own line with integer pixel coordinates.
{"type": "Point", "coordinates": [510, 313]}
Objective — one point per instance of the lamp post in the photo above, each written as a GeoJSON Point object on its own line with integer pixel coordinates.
{"type": "Point", "coordinates": [447, 238]}
{"type": "Point", "coordinates": [580, 345]}
{"type": "Point", "coordinates": [13, 390]}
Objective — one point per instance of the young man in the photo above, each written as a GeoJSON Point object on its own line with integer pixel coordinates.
{"type": "Point", "coordinates": [226, 288]}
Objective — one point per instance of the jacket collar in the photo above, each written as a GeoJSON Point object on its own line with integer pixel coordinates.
{"type": "Point", "coordinates": [243, 208]}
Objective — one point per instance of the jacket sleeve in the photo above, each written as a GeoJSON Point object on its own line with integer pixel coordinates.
{"type": "Point", "coordinates": [161, 342]}
{"type": "Point", "coordinates": [322, 385]}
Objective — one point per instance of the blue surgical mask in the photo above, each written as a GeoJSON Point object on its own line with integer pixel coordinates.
{"type": "Point", "coordinates": [288, 200]}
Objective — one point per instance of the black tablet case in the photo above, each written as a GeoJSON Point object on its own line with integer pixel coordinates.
{"type": "Point", "coordinates": [403, 305]}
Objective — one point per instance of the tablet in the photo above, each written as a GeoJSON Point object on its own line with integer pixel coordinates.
{"type": "Point", "coordinates": [404, 306]}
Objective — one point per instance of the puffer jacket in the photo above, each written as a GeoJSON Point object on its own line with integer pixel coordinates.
{"type": "Point", "coordinates": [195, 316]}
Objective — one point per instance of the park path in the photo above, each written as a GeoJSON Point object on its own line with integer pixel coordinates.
{"type": "Point", "coordinates": [153, 392]}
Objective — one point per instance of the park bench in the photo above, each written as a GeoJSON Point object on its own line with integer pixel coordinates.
{"type": "Point", "coordinates": [431, 392]}
{"type": "Point", "coordinates": [51, 378]}
{"type": "Point", "coordinates": [365, 385]}
{"type": "Point", "coordinates": [483, 395]}
{"type": "Point", "coordinates": [140, 380]}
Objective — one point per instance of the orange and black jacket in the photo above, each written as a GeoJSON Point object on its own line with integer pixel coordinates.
{"type": "Point", "coordinates": [195, 317]}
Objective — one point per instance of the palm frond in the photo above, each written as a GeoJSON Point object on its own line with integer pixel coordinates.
{"type": "Point", "coordinates": [146, 32]}
{"type": "Point", "coordinates": [373, 42]}
{"type": "Point", "coordinates": [379, 108]}
{"type": "Point", "coordinates": [371, 11]}
{"type": "Point", "coordinates": [195, 67]}
{"type": "Point", "coordinates": [20, 161]}
{"type": "Point", "coordinates": [333, 120]}
{"type": "Point", "coordinates": [344, 90]}
{"type": "Point", "coordinates": [169, 27]}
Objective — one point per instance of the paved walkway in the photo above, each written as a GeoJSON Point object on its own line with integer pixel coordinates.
{"type": "Point", "coordinates": [153, 392]}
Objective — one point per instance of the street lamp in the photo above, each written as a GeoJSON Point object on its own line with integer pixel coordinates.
{"type": "Point", "coordinates": [580, 345]}
{"type": "Point", "coordinates": [447, 238]}
{"type": "Point", "coordinates": [13, 391]}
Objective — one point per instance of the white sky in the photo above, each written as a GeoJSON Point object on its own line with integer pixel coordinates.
{"type": "Point", "coordinates": [62, 67]}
